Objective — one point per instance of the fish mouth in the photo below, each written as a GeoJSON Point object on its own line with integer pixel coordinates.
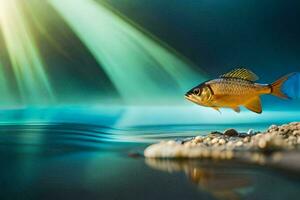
{"type": "Point", "coordinates": [193, 98]}
{"type": "Point", "coordinates": [190, 97]}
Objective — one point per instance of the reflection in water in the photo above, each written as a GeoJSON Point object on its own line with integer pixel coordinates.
{"type": "Point", "coordinates": [81, 153]}
{"type": "Point", "coordinates": [221, 180]}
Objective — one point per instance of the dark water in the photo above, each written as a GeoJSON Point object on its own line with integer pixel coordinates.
{"type": "Point", "coordinates": [68, 153]}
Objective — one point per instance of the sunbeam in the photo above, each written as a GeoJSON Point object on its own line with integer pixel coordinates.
{"type": "Point", "coordinates": [27, 64]}
{"type": "Point", "coordinates": [141, 68]}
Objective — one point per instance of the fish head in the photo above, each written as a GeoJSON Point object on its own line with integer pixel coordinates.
{"type": "Point", "coordinates": [201, 94]}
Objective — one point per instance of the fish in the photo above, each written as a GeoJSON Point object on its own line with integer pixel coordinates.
{"type": "Point", "coordinates": [235, 89]}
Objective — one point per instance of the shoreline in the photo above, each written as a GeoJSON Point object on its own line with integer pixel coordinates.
{"type": "Point", "coordinates": [255, 146]}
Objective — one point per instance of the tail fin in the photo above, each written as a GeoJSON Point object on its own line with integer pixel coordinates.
{"type": "Point", "coordinates": [277, 86]}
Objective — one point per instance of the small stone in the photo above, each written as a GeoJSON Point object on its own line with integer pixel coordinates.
{"type": "Point", "coordinates": [283, 130]}
{"type": "Point", "coordinates": [296, 133]}
{"type": "Point", "coordinates": [231, 132]}
{"type": "Point", "coordinates": [250, 132]}
{"type": "Point", "coordinates": [198, 139]}
{"type": "Point", "coordinates": [207, 140]}
{"type": "Point", "coordinates": [222, 141]}
{"type": "Point", "coordinates": [215, 140]}
{"type": "Point", "coordinates": [215, 133]}
{"type": "Point", "coordinates": [273, 127]}
{"type": "Point", "coordinates": [262, 144]}
{"type": "Point", "coordinates": [292, 138]}
{"type": "Point", "coordinates": [187, 144]}
{"type": "Point", "coordinates": [171, 142]}
{"type": "Point", "coordinates": [229, 144]}
{"type": "Point", "coordinates": [239, 143]}
{"type": "Point", "coordinates": [134, 154]}
{"type": "Point", "coordinates": [246, 139]}
{"type": "Point", "coordinates": [258, 136]}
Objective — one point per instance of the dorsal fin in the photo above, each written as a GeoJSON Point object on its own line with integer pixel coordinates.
{"type": "Point", "coordinates": [241, 73]}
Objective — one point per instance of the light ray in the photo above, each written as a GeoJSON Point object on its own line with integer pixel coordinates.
{"type": "Point", "coordinates": [28, 67]}
{"type": "Point", "coordinates": [140, 67]}
{"type": "Point", "coordinates": [5, 89]}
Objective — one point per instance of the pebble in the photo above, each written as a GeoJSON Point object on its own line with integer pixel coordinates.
{"type": "Point", "coordinates": [262, 144]}
{"type": "Point", "coordinates": [231, 132]}
{"type": "Point", "coordinates": [230, 143]}
{"type": "Point", "coordinates": [250, 132]}
{"type": "Point", "coordinates": [222, 141]}
{"type": "Point", "coordinates": [273, 128]}
{"type": "Point", "coordinates": [246, 139]}
{"type": "Point", "coordinates": [296, 132]}
{"type": "Point", "coordinates": [171, 142]}
{"type": "Point", "coordinates": [215, 140]}
{"type": "Point", "coordinates": [198, 139]}
{"type": "Point", "coordinates": [215, 133]}
{"type": "Point", "coordinates": [239, 143]}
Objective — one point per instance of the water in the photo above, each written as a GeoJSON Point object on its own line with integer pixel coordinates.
{"type": "Point", "coordinates": [91, 153]}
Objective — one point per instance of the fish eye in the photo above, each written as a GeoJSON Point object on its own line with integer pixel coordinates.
{"type": "Point", "coordinates": [197, 91]}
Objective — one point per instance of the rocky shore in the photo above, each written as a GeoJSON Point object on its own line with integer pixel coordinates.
{"type": "Point", "coordinates": [231, 144]}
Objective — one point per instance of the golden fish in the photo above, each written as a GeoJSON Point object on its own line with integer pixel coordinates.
{"type": "Point", "coordinates": [235, 89]}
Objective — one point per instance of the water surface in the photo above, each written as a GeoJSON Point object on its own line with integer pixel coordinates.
{"type": "Point", "coordinates": [91, 153]}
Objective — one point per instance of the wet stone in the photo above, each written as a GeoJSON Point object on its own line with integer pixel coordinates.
{"type": "Point", "coordinates": [231, 132]}
{"type": "Point", "coordinates": [250, 132]}
{"type": "Point", "coordinates": [222, 141]}
{"type": "Point", "coordinates": [215, 133]}
{"type": "Point", "coordinates": [246, 139]}
{"type": "Point", "coordinates": [239, 143]}
{"type": "Point", "coordinates": [215, 140]}
{"type": "Point", "coordinates": [273, 127]}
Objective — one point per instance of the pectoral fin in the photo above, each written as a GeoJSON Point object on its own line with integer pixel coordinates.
{"type": "Point", "coordinates": [254, 105]}
{"type": "Point", "coordinates": [236, 109]}
{"type": "Point", "coordinates": [217, 109]}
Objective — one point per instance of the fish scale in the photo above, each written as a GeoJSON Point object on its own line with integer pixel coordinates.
{"type": "Point", "coordinates": [232, 86]}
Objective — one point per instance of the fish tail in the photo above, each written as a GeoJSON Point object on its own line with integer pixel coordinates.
{"type": "Point", "coordinates": [276, 87]}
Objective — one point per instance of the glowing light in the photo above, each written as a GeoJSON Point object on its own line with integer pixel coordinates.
{"type": "Point", "coordinates": [138, 65]}
{"type": "Point", "coordinates": [28, 67]}
{"type": "Point", "coordinates": [5, 88]}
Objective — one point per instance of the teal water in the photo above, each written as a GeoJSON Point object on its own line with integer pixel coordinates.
{"type": "Point", "coordinates": [73, 152]}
